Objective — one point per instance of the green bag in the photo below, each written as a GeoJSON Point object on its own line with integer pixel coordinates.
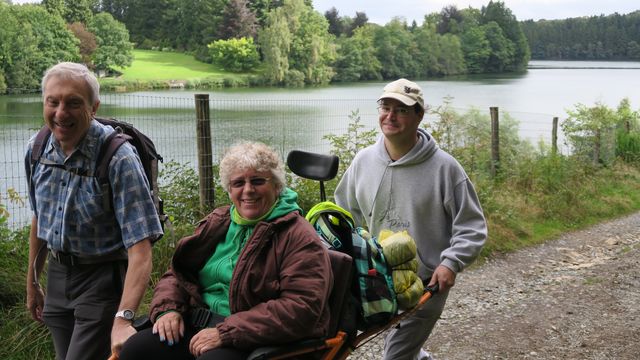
{"type": "Point", "coordinates": [373, 285]}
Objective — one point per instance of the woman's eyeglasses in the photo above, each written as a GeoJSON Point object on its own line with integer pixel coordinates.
{"type": "Point", "coordinates": [256, 181]}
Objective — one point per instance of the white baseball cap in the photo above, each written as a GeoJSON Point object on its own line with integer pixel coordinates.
{"type": "Point", "coordinates": [405, 91]}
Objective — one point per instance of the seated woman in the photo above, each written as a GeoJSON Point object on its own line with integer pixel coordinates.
{"type": "Point", "coordinates": [252, 274]}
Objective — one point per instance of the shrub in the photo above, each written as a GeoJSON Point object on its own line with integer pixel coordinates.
{"type": "Point", "coordinates": [235, 55]}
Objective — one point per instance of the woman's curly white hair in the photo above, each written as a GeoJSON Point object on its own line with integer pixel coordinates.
{"type": "Point", "coordinates": [252, 155]}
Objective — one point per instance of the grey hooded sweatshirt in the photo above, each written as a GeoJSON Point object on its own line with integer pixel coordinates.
{"type": "Point", "coordinates": [426, 192]}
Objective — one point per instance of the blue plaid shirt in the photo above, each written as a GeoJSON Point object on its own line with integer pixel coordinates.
{"type": "Point", "coordinates": [69, 207]}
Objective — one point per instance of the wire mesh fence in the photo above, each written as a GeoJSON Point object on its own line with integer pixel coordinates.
{"type": "Point", "coordinates": [170, 121]}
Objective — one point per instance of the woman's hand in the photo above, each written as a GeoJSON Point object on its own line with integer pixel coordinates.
{"type": "Point", "coordinates": [170, 327]}
{"type": "Point", "coordinates": [204, 340]}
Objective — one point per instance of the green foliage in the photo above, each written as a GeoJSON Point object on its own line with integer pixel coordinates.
{"type": "Point", "coordinates": [356, 56]}
{"type": "Point", "coordinates": [512, 51]}
{"type": "Point", "coordinates": [347, 145]}
{"type": "Point", "coordinates": [235, 54]}
{"type": "Point", "coordinates": [112, 39]}
{"type": "Point", "coordinates": [3, 83]}
{"type": "Point", "coordinates": [179, 191]}
{"type": "Point", "coordinates": [476, 49]}
{"type": "Point", "coordinates": [468, 138]}
{"type": "Point", "coordinates": [77, 11]}
{"type": "Point", "coordinates": [396, 50]}
{"type": "Point", "coordinates": [588, 128]}
{"type": "Point", "coordinates": [31, 41]}
{"type": "Point", "coordinates": [628, 146]}
{"type": "Point", "coordinates": [295, 37]}
{"type": "Point", "coordinates": [628, 133]}
{"type": "Point", "coordinates": [275, 42]}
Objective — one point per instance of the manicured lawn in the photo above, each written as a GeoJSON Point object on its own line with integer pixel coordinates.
{"type": "Point", "coordinates": [159, 65]}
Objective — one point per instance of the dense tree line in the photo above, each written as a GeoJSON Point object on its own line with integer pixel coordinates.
{"type": "Point", "coordinates": [613, 37]}
{"type": "Point", "coordinates": [287, 40]}
{"type": "Point", "coordinates": [297, 45]}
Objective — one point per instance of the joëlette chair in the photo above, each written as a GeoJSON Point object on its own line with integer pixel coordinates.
{"type": "Point", "coordinates": [343, 337]}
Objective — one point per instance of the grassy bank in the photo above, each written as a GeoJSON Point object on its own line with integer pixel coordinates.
{"type": "Point", "coordinates": [517, 213]}
{"type": "Point", "coordinates": [164, 70]}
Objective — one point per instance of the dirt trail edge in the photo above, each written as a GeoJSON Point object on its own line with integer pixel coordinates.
{"type": "Point", "coordinates": [576, 297]}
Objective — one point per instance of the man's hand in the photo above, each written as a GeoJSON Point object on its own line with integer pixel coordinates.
{"type": "Point", "coordinates": [444, 277]}
{"type": "Point", "coordinates": [204, 340]}
{"type": "Point", "coordinates": [35, 301]}
{"type": "Point", "coordinates": [121, 331]}
{"type": "Point", "coordinates": [169, 327]}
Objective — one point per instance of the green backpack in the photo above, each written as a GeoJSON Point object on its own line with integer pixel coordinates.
{"type": "Point", "coordinates": [372, 287]}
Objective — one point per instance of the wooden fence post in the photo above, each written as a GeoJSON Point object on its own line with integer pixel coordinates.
{"type": "Point", "coordinates": [495, 141]}
{"type": "Point", "coordinates": [205, 155]}
{"type": "Point", "coordinates": [554, 136]}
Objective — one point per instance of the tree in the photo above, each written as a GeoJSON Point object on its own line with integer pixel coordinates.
{"type": "Point", "coordinates": [313, 48]}
{"type": "Point", "coordinates": [55, 7]}
{"type": "Point", "coordinates": [516, 43]}
{"type": "Point", "coordinates": [475, 47]}
{"type": "Point", "coordinates": [112, 38]}
{"type": "Point", "coordinates": [586, 127]}
{"type": "Point", "coordinates": [296, 45]}
{"type": "Point", "coordinates": [78, 10]}
{"type": "Point", "coordinates": [356, 56]}
{"type": "Point", "coordinates": [31, 40]}
{"type": "Point", "coordinates": [87, 41]}
{"type": "Point", "coordinates": [238, 21]}
{"type": "Point", "coordinates": [360, 20]}
{"type": "Point", "coordinates": [450, 17]}
{"type": "Point", "coordinates": [117, 8]}
{"type": "Point", "coordinates": [396, 50]}
{"type": "Point", "coordinates": [335, 25]}
{"type": "Point", "coordinates": [501, 55]}
{"type": "Point", "coordinates": [275, 42]}
{"type": "Point", "coordinates": [54, 41]}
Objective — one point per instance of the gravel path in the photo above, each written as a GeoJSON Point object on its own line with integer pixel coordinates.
{"type": "Point", "coordinates": [576, 297]}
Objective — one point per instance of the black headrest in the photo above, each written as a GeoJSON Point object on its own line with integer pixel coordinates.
{"type": "Point", "coordinates": [320, 167]}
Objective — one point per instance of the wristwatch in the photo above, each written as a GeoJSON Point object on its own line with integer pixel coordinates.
{"type": "Point", "coordinates": [126, 314]}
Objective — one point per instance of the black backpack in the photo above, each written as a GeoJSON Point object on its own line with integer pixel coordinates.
{"type": "Point", "coordinates": [124, 132]}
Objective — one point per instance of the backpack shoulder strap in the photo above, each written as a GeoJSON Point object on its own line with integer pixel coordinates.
{"type": "Point", "coordinates": [39, 143]}
{"type": "Point", "coordinates": [109, 147]}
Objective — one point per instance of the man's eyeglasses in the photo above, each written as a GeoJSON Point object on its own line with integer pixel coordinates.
{"type": "Point", "coordinates": [255, 182]}
{"type": "Point", "coordinates": [398, 111]}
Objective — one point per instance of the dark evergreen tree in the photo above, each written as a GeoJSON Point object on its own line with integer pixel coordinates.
{"type": "Point", "coordinates": [238, 21]}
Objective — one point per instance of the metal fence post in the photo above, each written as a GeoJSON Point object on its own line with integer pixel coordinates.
{"type": "Point", "coordinates": [205, 155]}
{"type": "Point", "coordinates": [495, 141]}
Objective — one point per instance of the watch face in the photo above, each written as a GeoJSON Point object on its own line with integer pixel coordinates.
{"type": "Point", "coordinates": [128, 314]}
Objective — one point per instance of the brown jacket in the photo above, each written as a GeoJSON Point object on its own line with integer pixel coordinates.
{"type": "Point", "coordinates": [280, 286]}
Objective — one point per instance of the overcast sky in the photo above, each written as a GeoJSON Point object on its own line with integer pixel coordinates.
{"type": "Point", "coordinates": [381, 11]}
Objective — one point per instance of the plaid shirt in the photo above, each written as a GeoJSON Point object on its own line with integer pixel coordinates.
{"type": "Point", "coordinates": [69, 207]}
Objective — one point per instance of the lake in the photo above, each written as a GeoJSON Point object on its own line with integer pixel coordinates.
{"type": "Point", "coordinates": [299, 118]}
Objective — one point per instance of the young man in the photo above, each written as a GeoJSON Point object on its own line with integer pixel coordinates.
{"type": "Point", "coordinates": [405, 182]}
{"type": "Point", "coordinates": [92, 290]}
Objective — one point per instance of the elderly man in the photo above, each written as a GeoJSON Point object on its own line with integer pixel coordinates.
{"type": "Point", "coordinates": [99, 259]}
